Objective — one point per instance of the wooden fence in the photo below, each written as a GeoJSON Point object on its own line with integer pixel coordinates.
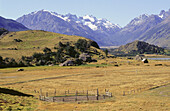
{"type": "Point", "coordinates": [70, 96]}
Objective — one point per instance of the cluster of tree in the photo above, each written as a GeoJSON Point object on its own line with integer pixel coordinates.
{"type": "Point", "coordinates": [10, 62]}
{"type": "Point", "coordinates": [2, 30]}
{"type": "Point", "coordinates": [64, 51]}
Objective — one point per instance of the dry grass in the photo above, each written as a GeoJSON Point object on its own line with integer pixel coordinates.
{"type": "Point", "coordinates": [33, 41]}
{"type": "Point", "coordinates": [130, 75]}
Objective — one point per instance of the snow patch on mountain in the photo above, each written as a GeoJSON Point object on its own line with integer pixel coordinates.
{"type": "Point", "coordinates": [92, 26]}
{"type": "Point", "coordinates": [87, 17]}
{"type": "Point", "coordinates": [161, 16]}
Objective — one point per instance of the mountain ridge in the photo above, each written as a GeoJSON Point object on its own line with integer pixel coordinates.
{"type": "Point", "coordinates": [100, 30]}
{"type": "Point", "coordinates": [11, 25]}
{"type": "Point", "coordinates": [86, 26]}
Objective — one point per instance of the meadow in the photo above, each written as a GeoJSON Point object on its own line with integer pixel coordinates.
{"type": "Point", "coordinates": [130, 75]}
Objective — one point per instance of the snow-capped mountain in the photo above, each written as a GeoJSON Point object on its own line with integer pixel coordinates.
{"type": "Point", "coordinates": [138, 26]}
{"type": "Point", "coordinates": [87, 26]}
{"type": "Point", "coordinates": [102, 31]}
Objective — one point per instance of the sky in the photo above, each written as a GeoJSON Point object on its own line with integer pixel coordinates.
{"type": "Point", "coordinates": [116, 11]}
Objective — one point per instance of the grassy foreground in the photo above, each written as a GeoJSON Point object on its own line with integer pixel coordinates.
{"type": "Point", "coordinates": [129, 75]}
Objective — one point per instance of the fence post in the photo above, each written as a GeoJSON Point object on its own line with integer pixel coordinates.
{"type": "Point", "coordinates": [39, 97]}
{"type": "Point", "coordinates": [97, 96]}
{"type": "Point", "coordinates": [55, 92]}
{"type": "Point", "coordinates": [46, 94]}
{"type": "Point", "coordinates": [76, 96]}
{"type": "Point", "coordinates": [87, 95]}
{"type": "Point", "coordinates": [44, 98]}
{"type": "Point", "coordinates": [53, 99]}
{"type": "Point", "coordinates": [103, 96]}
{"type": "Point", "coordinates": [68, 91]}
{"type": "Point", "coordinates": [123, 93]}
{"type": "Point", "coordinates": [41, 92]}
{"type": "Point", "coordinates": [63, 99]}
{"type": "Point", "coordinates": [65, 93]}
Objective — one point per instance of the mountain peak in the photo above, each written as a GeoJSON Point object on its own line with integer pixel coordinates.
{"type": "Point", "coordinates": [164, 14]}
{"type": "Point", "coordinates": [89, 17]}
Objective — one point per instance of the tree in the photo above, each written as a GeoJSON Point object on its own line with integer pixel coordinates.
{"type": "Point", "coordinates": [1, 59]}
{"type": "Point", "coordinates": [61, 44]}
{"type": "Point", "coordinates": [37, 55]}
{"type": "Point", "coordinates": [2, 30]}
{"type": "Point", "coordinates": [70, 51]}
{"type": "Point", "coordinates": [21, 64]}
{"type": "Point", "coordinates": [47, 50]}
{"type": "Point", "coordinates": [106, 52]}
{"type": "Point", "coordinates": [12, 63]}
{"type": "Point", "coordinates": [82, 45]}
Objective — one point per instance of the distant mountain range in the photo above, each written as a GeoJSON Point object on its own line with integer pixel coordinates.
{"type": "Point", "coordinates": [105, 33]}
{"type": "Point", "coordinates": [11, 25]}
{"type": "Point", "coordinates": [154, 29]}
{"type": "Point", "coordinates": [87, 26]}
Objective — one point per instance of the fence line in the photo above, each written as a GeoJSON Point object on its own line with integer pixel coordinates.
{"type": "Point", "coordinates": [134, 91]}
{"type": "Point", "coordinates": [76, 96]}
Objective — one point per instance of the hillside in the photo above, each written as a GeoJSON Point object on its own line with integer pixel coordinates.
{"type": "Point", "coordinates": [158, 35]}
{"type": "Point", "coordinates": [11, 25]}
{"type": "Point", "coordinates": [139, 47]}
{"type": "Point", "coordinates": [47, 45]}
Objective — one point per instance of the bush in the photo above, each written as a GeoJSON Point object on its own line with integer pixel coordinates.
{"type": "Point", "coordinates": [47, 50]}
{"type": "Point", "coordinates": [82, 45]}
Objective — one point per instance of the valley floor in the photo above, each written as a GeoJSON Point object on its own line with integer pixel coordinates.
{"type": "Point", "coordinates": [134, 86]}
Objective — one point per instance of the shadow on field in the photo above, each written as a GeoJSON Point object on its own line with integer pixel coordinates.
{"type": "Point", "coordinates": [13, 92]}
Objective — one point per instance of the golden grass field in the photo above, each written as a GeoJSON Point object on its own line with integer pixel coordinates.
{"type": "Point", "coordinates": [130, 75]}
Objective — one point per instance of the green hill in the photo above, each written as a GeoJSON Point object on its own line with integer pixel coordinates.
{"type": "Point", "coordinates": [139, 47]}
{"type": "Point", "coordinates": [26, 43]}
